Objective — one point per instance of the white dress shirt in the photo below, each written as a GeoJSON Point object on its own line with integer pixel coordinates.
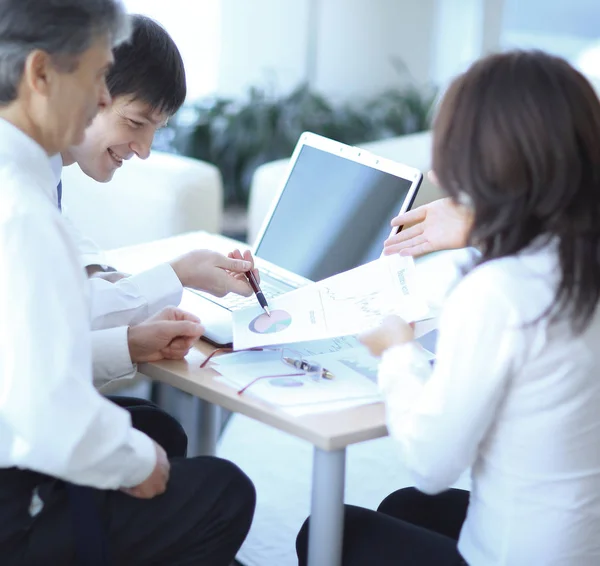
{"type": "Point", "coordinates": [519, 403]}
{"type": "Point", "coordinates": [114, 306]}
{"type": "Point", "coordinates": [52, 420]}
{"type": "Point", "coordinates": [90, 253]}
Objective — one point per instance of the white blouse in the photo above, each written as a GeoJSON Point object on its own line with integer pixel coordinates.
{"type": "Point", "coordinates": [516, 400]}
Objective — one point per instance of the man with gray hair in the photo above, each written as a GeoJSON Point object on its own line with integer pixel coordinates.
{"type": "Point", "coordinates": [56, 431]}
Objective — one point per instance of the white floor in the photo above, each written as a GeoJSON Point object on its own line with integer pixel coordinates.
{"type": "Point", "coordinates": [281, 468]}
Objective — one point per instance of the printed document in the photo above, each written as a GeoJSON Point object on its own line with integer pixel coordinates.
{"type": "Point", "coordinates": [342, 305]}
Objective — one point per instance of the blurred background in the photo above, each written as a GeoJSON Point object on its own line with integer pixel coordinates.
{"type": "Point", "coordinates": [262, 71]}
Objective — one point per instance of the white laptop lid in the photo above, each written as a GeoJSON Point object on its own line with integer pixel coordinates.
{"type": "Point", "coordinates": [333, 210]}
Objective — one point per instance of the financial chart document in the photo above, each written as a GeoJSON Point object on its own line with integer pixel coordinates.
{"type": "Point", "coordinates": [345, 304]}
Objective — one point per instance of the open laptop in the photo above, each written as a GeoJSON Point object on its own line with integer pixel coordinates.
{"type": "Point", "coordinates": [331, 214]}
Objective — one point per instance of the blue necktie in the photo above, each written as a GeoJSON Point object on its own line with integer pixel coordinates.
{"type": "Point", "coordinates": [59, 195]}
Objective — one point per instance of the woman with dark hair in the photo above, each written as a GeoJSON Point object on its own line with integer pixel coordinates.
{"type": "Point", "coordinates": [515, 393]}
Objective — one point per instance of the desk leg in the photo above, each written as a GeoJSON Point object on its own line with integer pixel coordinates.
{"type": "Point", "coordinates": [205, 427]}
{"type": "Point", "coordinates": [327, 508]}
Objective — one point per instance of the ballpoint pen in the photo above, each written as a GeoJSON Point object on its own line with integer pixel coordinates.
{"type": "Point", "coordinates": [308, 367]}
{"type": "Point", "coordinates": [257, 291]}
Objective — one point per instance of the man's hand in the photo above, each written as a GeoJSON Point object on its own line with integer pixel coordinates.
{"type": "Point", "coordinates": [168, 335]}
{"type": "Point", "coordinates": [247, 256]}
{"type": "Point", "coordinates": [213, 272]}
{"type": "Point", "coordinates": [156, 482]}
{"type": "Point", "coordinates": [393, 331]}
{"type": "Point", "coordinates": [439, 225]}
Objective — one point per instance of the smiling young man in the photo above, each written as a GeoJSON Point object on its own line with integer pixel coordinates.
{"type": "Point", "coordinates": [147, 85]}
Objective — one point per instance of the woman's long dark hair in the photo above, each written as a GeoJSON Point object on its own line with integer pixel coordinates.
{"type": "Point", "coordinates": [519, 134]}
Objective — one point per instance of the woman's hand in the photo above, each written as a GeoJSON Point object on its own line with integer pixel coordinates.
{"type": "Point", "coordinates": [393, 331]}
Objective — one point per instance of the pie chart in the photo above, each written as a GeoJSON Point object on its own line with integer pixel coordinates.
{"type": "Point", "coordinates": [265, 324]}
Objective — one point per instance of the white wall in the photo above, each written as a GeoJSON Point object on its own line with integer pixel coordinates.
{"type": "Point", "coordinates": [194, 25]}
{"type": "Point", "coordinates": [358, 39]}
{"type": "Point", "coordinates": [464, 30]}
{"type": "Point", "coordinates": [344, 48]}
{"type": "Point", "coordinates": [262, 42]}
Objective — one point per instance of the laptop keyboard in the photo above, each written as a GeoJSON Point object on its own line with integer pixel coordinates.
{"type": "Point", "coordinates": [235, 302]}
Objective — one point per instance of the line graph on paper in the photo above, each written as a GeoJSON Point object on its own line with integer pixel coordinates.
{"type": "Point", "coordinates": [368, 307]}
{"type": "Point", "coordinates": [363, 367]}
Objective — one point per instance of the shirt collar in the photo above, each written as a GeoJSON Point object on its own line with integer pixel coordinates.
{"type": "Point", "coordinates": [18, 148]}
{"type": "Point", "coordinates": [56, 162]}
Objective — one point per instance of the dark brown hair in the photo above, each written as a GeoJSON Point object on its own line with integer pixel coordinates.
{"type": "Point", "coordinates": [519, 135]}
{"type": "Point", "coordinates": [149, 67]}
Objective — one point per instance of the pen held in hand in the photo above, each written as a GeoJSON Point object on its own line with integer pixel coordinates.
{"type": "Point", "coordinates": [257, 291]}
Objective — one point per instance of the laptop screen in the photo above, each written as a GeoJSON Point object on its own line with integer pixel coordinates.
{"type": "Point", "coordinates": [333, 215]}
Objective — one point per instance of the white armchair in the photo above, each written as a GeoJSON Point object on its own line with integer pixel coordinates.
{"type": "Point", "coordinates": [413, 150]}
{"type": "Point", "coordinates": [146, 200]}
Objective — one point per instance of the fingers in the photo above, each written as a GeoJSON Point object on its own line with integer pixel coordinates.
{"type": "Point", "coordinates": [398, 329]}
{"type": "Point", "coordinates": [185, 328]}
{"type": "Point", "coordinates": [416, 247]}
{"type": "Point", "coordinates": [235, 265]}
{"type": "Point", "coordinates": [178, 348]}
{"type": "Point", "coordinates": [156, 482]}
{"type": "Point", "coordinates": [239, 286]}
{"type": "Point", "coordinates": [248, 257]}
{"type": "Point", "coordinates": [404, 235]}
{"type": "Point", "coordinates": [370, 339]}
{"type": "Point", "coordinates": [180, 314]}
{"type": "Point", "coordinates": [410, 217]}
{"type": "Point", "coordinates": [173, 314]}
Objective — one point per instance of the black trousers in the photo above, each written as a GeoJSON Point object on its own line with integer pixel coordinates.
{"type": "Point", "coordinates": [159, 425]}
{"type": "Point", "coordinates": [408, 529]}
{"type": "Point", "coordinates": [202, 518]}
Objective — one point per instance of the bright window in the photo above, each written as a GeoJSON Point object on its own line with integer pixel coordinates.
{"type": "Point", "coordinates": [195, 27]}
{"type": "Point", "coordinates": [566, 28]}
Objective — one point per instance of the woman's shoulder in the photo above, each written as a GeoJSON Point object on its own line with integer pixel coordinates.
{"type": "Point", "coordinates": [522, 280]}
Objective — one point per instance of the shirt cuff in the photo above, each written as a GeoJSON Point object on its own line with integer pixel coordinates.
{"type": "Point", "coordinates": [403, 371]}
{"type": "Point", "coordinates": [92, 258]}
{"type": "Point", "coordinates": [160, 286]}
{"type": "Point", "coordinates": [145, 460]}
{"type": "Point", "coordinates": [110, 355]}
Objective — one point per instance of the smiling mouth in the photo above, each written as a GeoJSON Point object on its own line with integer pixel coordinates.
{"type": "Point", "coordinates": [118, 160]}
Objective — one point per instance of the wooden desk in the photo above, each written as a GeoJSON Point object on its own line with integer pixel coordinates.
{"type": "Point", "coordinates": [329, 433]}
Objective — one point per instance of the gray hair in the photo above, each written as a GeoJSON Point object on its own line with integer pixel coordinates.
{"type": "Point", "coordinates": [62, 28]}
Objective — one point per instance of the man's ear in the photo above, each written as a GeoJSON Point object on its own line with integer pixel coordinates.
{"type": "Point", "coordinates": [37, 72]}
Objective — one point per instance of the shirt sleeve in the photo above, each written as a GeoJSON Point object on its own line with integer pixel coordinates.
{"type": "Point", "coordinates": [133, 299]}
{"type": "Point", "coordinates": [110, 356]}
{"type": "Point", "coordinates": [440, 417]}
{"type": "Point", "coordinates": [89, 252]}
{"type": "Point", "coordinates": [52, 419]}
